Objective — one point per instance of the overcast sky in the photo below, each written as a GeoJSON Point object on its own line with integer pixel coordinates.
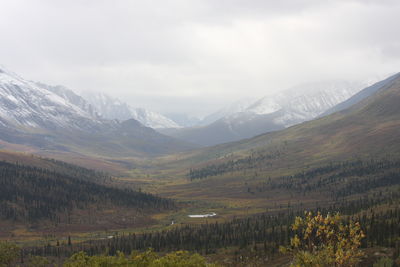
{"type": "Point", "coordinates": [194, 56]}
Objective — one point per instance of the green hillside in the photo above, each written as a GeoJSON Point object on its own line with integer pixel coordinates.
{"type": "Point", "coordinates": [370, 128]}
{"type": "Point", "coordinates": [347, 162]}
{"type": "Point", "coordinates": [38, 194]}
{"type": "Point", "coordinates": [239, 177]}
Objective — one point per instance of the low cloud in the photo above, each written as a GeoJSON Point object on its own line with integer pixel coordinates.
{"type": "Point", "coordinates": [195, 56]}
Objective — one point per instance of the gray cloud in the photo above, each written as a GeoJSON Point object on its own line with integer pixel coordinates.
{"type": "Point", "coordinates": [194, 56]}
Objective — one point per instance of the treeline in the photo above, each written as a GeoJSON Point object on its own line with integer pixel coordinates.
{"type": "Point", "coordinates": [270, 231]}
{"type": "Point", "coordinates": [252, 161]}
{"type": "Point", "coordinates": [367, 191]}
{"type": "Point", "coordinates": [29, 193]}
{"type": "Point", "coordinates": [258, 160]}
{"type": "Point", "coordinates": [340, 180]}
{"type": "Point", "coordinates": [78, 171]}
{"type": "Point", "coordinates": [263, 233]}
{"type": "Point", "coordinates": [10, 255]}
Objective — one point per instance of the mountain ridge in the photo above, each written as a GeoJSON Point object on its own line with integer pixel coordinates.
{"type": "Point", "coordinates": [113, 108]}
{"type": "Point", "coordinates": [367, 128]}
{"type": "Point", "coordinates": [272, 113]}
{"type": "Point", "coordinates": [55, 118]}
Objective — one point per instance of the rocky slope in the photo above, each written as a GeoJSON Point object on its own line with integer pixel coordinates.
{"type": "Point", "coordinates": [55, 118]}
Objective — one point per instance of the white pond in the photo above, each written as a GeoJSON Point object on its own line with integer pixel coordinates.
{"type": "Point", "coordinates": [212, 214]}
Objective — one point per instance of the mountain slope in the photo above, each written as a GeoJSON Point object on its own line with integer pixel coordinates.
{"type": "Point", "coordinates": [360, 96]}
{"type": "Point", "coordinates": [278, 169]}
{"type": "Point", "coordinates": [112, 108]}
{"type": "Point", "coordinates": [184, 120]}
{"type": "Point", "coordinates": [296, 105]}
{"type": "Point", "coordinates": [55, 118]}
{"type": "Point", "coordinates": [27, 104]}
{"type": "Point", "coordinates": [306, 101]}
{"type": "Point", "coordinates": [43, 194]}
{"type": "Point", "coordinates": [236, 107]}
{"type": "Point", "coordinates": [370, 128]}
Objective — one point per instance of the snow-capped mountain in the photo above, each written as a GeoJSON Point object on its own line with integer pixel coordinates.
{"type": "Point", "coordinates": [71, 97]}
{"type": "Point", "coordinates": [29, 104]}
{"type": "Point", "coordinates": [54, 118]}
{"type": "Point", "coordinates": [295, 105]}
{"type": "Point", "coordinates": [152, 119]}
{"type": "Point", "coordinates": [305, 102]}
{"type": "Point", "coordinates": [236, 107]}
{"type": "Point", "coordinates": [374, 84]}
{"type": "Point", "coordinates": [113, 108]}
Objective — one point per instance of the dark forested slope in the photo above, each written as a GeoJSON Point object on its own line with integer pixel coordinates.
{"type": "Point", "coordinates": [29, 193]}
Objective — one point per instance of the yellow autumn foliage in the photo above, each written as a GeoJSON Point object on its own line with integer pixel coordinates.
{"type": "Point", "coordinates": [325, 241]}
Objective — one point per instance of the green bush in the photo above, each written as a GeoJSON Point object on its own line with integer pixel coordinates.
{"type": "Point", "coordinates": [384, 262]}
{"type": "Point", "coordinates": [146, 259]}
{"type": "Point", "coordinates": [9, 252]}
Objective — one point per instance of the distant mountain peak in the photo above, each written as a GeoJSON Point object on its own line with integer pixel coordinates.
{"type": "Point", "coordinates": [236, 107]}
{"type": "Point", "coordinates": [305, 101]}
{"type": "Point", "coordinates": [113, 108]}
{"type": "Point", "coordinates": [271, 113]}
{"type": "Point", "coordinates": [26, 103]}
{"type": "Point", "coordinates": [55, 118]}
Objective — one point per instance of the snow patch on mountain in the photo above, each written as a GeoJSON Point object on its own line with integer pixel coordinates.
{"type": "Point", "coordinates": [30, 104]}
{"type": "Point", "coordinates": [266, 105]}
{"type": "Point", "coordinates": [306, 101]}
{"type": "Point", "coordinates": [236, 107]}
{"type": "Point", "coordinates": [152, 119]}
{"type": "Point", "coordinates": [112, 108]}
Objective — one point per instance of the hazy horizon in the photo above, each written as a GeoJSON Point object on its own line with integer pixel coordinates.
{"type": "Point", "coordinates": [196, 57]}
